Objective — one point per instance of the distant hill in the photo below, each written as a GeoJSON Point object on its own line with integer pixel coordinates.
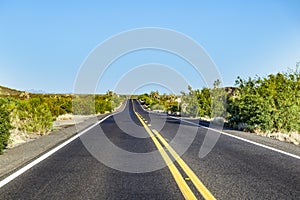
{"type": "Point", "coordinates": [8, 91]}
{"type": "Point", "coordinates": [33, 91]}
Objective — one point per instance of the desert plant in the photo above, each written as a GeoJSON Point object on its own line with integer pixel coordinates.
{"type": "Point", "coordinates": [5, 124]}
{"type": "Point", "coordinates": [83, 105]}
{"type": "Point", "coordinates": [32, 116]}
{"type": "Point", "coordinates": [269, 104]}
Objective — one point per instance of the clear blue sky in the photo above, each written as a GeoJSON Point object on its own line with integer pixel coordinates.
{"type": "Point", "coordinates": [43, 43]}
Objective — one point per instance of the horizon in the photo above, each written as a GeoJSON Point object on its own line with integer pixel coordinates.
{"type": "Point", "coordinates": [41, 91]}
{"type": "Point", "coordinates": [44, 51]}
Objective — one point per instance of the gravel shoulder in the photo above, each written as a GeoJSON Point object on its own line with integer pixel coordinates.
{"type": "Point", "coordinates": [271, 142]}
{"type": "Point", "coordinates": [16, 157]}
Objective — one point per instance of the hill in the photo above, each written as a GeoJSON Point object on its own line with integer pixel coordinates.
{"type": "Point", "coordinates": [5, 91]}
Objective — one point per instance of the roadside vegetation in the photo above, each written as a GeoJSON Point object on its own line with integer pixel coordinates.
{"type": "Point", "coordinates": [267, 104]}
{"type": "Point", "coordinates": [5, 125]}
{"type": "Point", "coordinates": [164, 102]}
{"type": "Point", "coordinates": [32, 115]}
{"type": "Point", "coordinates": [264, 105]}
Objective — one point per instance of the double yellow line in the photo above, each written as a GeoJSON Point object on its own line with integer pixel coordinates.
{"type": "Point", "coordinates": [181, 182]}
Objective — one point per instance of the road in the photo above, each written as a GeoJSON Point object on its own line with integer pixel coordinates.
{"type": "Point", "coordinates": [88, 168]}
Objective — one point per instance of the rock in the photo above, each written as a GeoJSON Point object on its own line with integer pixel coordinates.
{"type": "Point", "coordinates": [281, 137]}
{"type": "Point", "coordinates": [16, 138]}
{"type": "Point", "coordinates": [295, 138]}
{"type": "Point", "coordinates": [65, 117]}
{"type": "Point", "coordinates": [294, 141]}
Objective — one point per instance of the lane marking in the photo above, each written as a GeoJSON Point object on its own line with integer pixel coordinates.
{"type": "Point", "coordinates": [189, 172]}
{"type": "Point", "coordinates": [240, 138]}
{"type": "Point", "coordinates": [52, 151]}
{"type": "Point", "coordinates": [229, 135]}
{"type": "Point", "coordinates": [184, 188]}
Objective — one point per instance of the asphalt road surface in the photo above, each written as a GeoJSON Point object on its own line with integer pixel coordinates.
{"type": "Point", "coordinates": [125, 156]}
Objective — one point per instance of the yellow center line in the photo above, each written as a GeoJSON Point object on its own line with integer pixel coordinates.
{"type": "Point", "coordinates": [184, 188]}
{"type": "Point", "coordinates": [189, 172]}
{"type": "Point", "coordinates": [198, 184]}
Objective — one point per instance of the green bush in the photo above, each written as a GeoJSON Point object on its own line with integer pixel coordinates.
{"type": "Point", "coordinates": [189, 103]}
{"type": "Point", "coordinates": [32, 116]}
{"type": "Point", "coordinates": [218, 100]}
{"type": "Point", "coordinates": [173, 107]}
{"type": "Point", "coordinates": [5, 124]}
{"type": "Point", "coordinates": [157, 107]}
{"type": "Point", "coordinates": [102, 105]}
{"type": "Point", "coordinates": [270, 104]}
{"type": "Point", "coordinates": [107, 103]}
{"type": "Point", "coordinates": [204, 102]}
{"type": "Point", "coordinates": [58, 104]}
{"type": "Point", "coordinates": [83, 105]}
{"type": "Point", "coordinates": [146, 99]}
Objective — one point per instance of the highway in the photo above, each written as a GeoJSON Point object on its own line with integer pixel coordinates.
{"type": "Point", "coordinates": [88, 168]}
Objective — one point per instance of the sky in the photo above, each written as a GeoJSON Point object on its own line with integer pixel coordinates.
{"type": "Point", "coordinates": [43, 44]}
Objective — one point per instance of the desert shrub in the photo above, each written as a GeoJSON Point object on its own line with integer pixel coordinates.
{"type": "Point", "coordinates": [116, 101]}
{"type": "Point", "coordinates": [83, 105]}
{"type": "Point", "coordinates": [101, 106]}
{"type": "Point", "coordinates": [204, 101]}
{"type": "Point", "coordinates": [95, 104]}
{"type": "Point", "coordinates": [59, 105]}
{"type": "Point", "coordinates": [145, 99]}
{"type": "Point", "coordinates": [157, 107]}
{"type": "Point", "coordinates": [189, 103]}
{"type": "Point", "coordinates": [173, 107]}
{"type": "Point", "coordinates": [108, 102]}
{"type": "Point", "coordinates": [218, 100]}
{"type": "Point", "coordinates": [252, 110]}
{"type": "Point", "coordinates": [5, 124]}
{"type": "Point", "coordinates": [32, 116]}
{"type": "Point", "coordinates": [269, 104]}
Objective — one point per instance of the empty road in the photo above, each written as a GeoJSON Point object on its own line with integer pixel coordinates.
{"type": "Point", "coordinates": [128, 156]}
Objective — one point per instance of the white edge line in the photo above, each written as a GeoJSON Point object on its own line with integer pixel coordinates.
{"type": "Point", "coordinates": [233, 136]}
{"type": "Point", "coordinates": [52, 151]}
{"type": "Point", "coordinates": [240, 138]}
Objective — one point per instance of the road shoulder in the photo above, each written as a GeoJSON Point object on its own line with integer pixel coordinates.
{"type": "Point", "coordinates": [271, 142]}
{"type": "Point", "coordinates": [16, 157]}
